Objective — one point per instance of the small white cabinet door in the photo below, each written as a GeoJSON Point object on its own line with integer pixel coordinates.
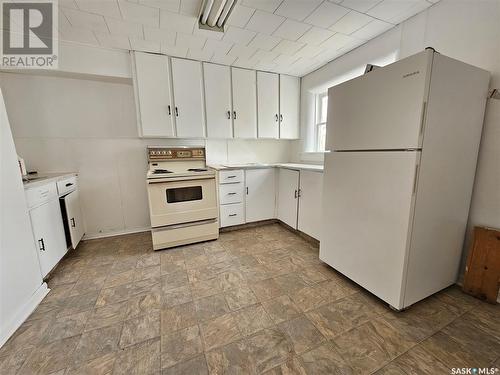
{"type": "Point", "coordinates": [48, 233]}
{"type": "Point", "coordinates": [74, 217]}
{"type": "Point", "coordinates": [152, 80]}
{"type": "Point", "coordinates": [268, 104]}
{"type": "Point", "coordinates": [188, 98]}
{"type": "Point", "coordinates": [260, 194]}
{"type": "Point", "coordinates": [218, 100]}
{"type": "Point", "coordinates": [289, 106]}
{"type": "Point", "coordinates": [310, 203]}
{"type": "Point", "coordinates": [288, 183]}
{"type": "Point", "coordinates": [244, 103]}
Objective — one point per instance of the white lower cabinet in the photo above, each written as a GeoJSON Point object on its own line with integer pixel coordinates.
{"type": "Point", "coordinates": [74, 217]}
{"type": "Point", "coordinates": [260, 198]}
{"type": "Point", "coordinates": [310, 198]}
{"type": "Point", "coordinates": [48, 233]}
{"type": "Point", "coordinates": [288, 194]}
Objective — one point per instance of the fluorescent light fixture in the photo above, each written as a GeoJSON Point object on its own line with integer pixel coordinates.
{"type": "Point", "coordinates": [214, 14]}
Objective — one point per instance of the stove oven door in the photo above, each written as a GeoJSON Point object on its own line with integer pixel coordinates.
{"type": "Point", "coordinates": [174, 201]}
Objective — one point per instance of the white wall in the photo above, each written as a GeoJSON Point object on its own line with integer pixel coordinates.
{"type": "Point", "coordinates": [463, 29]}
{"type": "Point", "coordinates": [89, 126]}
{"type": "Point", "coordinates": [21, 285]}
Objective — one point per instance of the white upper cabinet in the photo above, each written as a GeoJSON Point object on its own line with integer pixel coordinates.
{"type": "Point", "coordinates": [152, 80]}
{"type": "Point", "coordinates": [268, 104]}
{"type": "Point", "coordinates": [244, 103]}
{"type": "Point", "coordinates": [218, 100]}
{"type": "Point", "coordinates": [289, 106]}
{"type": "Point", "coordinates": [188, 98]}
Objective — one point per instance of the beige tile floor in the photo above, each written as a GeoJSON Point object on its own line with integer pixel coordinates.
{"type": "Point", "coordinates": [255, 301]}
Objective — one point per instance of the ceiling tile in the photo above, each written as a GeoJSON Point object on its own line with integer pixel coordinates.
{"type": "Point", "coordinates": [190, 41]}
{"type": "Point", "coordinates": [297, 9]}
{"type": "Point", "coordinates": [120, 27]}
{"type": "Point", "coordinates": [285, 60]}
{"type": "Point", "coordinates": [176, 22]}
{"type": "Point", "coordinates": [74, 34]}
{"type": "Point", "coordinates": [207, 33]}
{"type": "Point", "coordinates": [360, 5]}
{"type": "Point", "coordinates": [171, 5]}
{"type": "Point", "coordinates": [246, 63]}
{"type": "Point", "coordinates": [223, 59]}
{"type": "Point", "coordinates": [171, 50]}
{"type": "Point", "coordinates": [218, 46]}
{"type": "Point", "coordinates": [266, 5]}
{"type": "Point", "coordinates": [417, 8]}
{"type": "Point", "coordinates": [200, 54]}
{"type": "Point", "coordinates": [242, 52]}
{"type": "Point", "coordinates": [372, 29]}
{"type": "Point", "coordinates": [264, 22]}
{"type": "Point", "coordinates": [240, 15]}
{"type": "Point", "coordinates": [84, 20]}
{"type": "Point", "coordinates": [104, 8]}
{"type": "Point", "coordinates": [292, 30]}
{"type": "Point", "coordinates": [265, 56]}
{"type": "Point", "coordinates": [113, 41]}
{"type": "Point", "coordinates": [316, 36]}
{"type": "Point", "coordinates": [236, 35]}
{"type": "Point", "coordinates": [287, 47]}
{"type": "Point", "coordinates": [326, 15]}
{"type": "Point", "coordinates": [191, 7]}
{"type": "Point", "coordinates": [263, 41]}
{"type": "Point", "coordinates": [388, 9]}
{"type": "Point", "coordinates": [144, 45]}
{"type": "Point", "coordinates": [351, 22]}
{"type": "Point", "coordinates": [336, 42]}
{"type": "Point", "coordinates": [140, 14]}
{"type": "Point", "coordinates": [309, 51]}
{"type": "Point", "coordinates": [159, 35]}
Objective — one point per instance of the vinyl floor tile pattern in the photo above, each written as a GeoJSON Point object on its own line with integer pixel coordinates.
{"type": "Point", "coordinates": [256, 301]}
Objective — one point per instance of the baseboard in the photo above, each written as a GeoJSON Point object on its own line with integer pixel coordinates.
{"type": "Point", "coordinates": [115, 233]}
{"type": "Point", "coordinates": [23, 313]}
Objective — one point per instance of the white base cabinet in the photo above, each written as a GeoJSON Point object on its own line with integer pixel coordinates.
{"type": "Point", "coordinates": [310, 206]}
{"type": "Point", "coordinates": [260, 198]}
{"type": "Point", "coordinates": [74, 217]}
{"type": "Point", "coordinates": [288, 195]}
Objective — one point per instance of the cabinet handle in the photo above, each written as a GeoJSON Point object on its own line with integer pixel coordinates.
{"type": "Point", "coordinates": [299, 193]}
{"type": "Point", "coordinates": [233, 215]}
{"type": "Point", "coordinates": [281, 118]}
{"type": "Point", "coordinates": [231, 176]}
{"type": "Point", "coordinates": [73, 222]}
{"type": "Point", "coordinates": [276, 117]}
{"type": "Point", "coordinates": [234, 115]}
{"type": "Point", "coordinates": [176, 112]}
{"type": "Point", "coordinates": [169, 110]}
{"type": "Point", "coordinates": [247, 190]}
{"type": "Point", "coordinates": [229, 115]}
{"type": "Point", "coordinates": [69, 184]}
{"type": "Point", "coordinates": [231, 193]}
{"type": "Point", "coordinates": [296, 194]}
{"type": "Point", "coordinates": [41, 244]}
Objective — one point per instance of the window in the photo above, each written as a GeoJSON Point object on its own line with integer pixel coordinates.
{"type": "Point", "coordinates": [321, 110]}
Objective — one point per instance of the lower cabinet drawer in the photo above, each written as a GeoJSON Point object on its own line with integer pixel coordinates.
{"type": "Point", "coordinates": [231, 193]}
{"type": "Point", "coordinates": [232, 214]}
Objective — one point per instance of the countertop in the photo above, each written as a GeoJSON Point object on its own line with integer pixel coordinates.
{"type": "Point", "coordinates": [310, 167]}
{"type": "Point", "coordinates": [38, 179]}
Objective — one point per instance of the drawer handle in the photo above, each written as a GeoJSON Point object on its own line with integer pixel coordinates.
{"type": "Point", "coordinates": [69, 184]}
{"type": "Point", "coordinates": [73, 222]}
{"type": "Point", "coordinates": [230, 215]}
{"type": "Point", "coordinates": [231, 193]}
{"type": "Point", "coordinates": [231, 177]}
{"type": "Point", "coordinates": [41, 244]}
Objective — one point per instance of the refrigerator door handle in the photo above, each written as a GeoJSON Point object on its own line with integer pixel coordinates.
{"type": "Point", "coordinates": [415, 180]}
{"type": "Point", "coordinates": [422, 119]}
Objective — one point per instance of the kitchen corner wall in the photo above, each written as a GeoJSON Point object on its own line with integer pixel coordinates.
{"type": "Point", "coordinates": [89, 126]}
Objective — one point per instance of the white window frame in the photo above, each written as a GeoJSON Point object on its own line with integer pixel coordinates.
{"type": "Point", "coordinates": [317, 120]}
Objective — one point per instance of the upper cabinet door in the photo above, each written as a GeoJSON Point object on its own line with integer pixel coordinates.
{"type": "Point", "coordinates": [188, 98]}
{"type": "Point", "coordinates": [244, 103]}
{"type": "Point", "coordinates": [381, 110]}
{"type": "Point", "coordinates": [152, 80]}
{"type": "Point", "coordinates": [268, 104]}
{"type": "Point", "coordinates": [218, 100]}
{"type": "Point", "coordinates": [289, 106]}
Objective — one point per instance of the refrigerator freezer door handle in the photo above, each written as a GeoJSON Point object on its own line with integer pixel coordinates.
{"type": "Point", "coordinates": [422, 119]}
{"type": "Point", "coordinates": [415, 180]}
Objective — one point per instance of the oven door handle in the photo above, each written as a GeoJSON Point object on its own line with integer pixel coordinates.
{"type": "Point", "coordinates": [177, 179]}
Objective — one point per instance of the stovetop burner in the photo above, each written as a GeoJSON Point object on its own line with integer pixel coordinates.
{"type": "Point", "coordinates": [161, 171]}
{"type": "Point", "coordinates": [197, 169]}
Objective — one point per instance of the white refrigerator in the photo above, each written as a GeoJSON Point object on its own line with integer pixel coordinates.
{"type": "Point", "coordinates": [398, 180]}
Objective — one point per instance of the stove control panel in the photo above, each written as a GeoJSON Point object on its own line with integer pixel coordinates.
{"type": "Point", "coordinates": [167, 153]}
